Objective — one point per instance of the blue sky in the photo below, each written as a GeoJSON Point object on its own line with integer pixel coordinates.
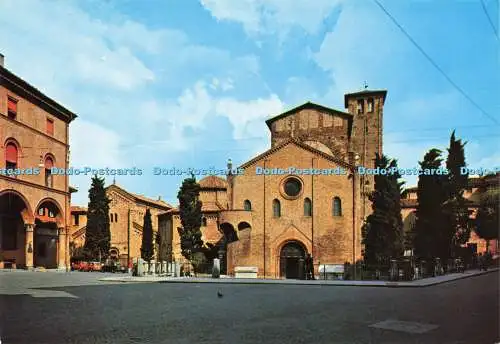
{"type": "Point", "coordinates": [190, 83]}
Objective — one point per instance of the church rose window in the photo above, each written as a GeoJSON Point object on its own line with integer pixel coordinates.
{"type": "Point", "coordinates": [292, 187]}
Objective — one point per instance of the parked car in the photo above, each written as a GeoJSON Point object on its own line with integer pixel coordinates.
{"type": "Point", "coordinates": [113, 266]}
{"type": "Point", "coordinates": [110, 265]}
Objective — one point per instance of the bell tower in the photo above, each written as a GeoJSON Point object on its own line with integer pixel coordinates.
{"type": "Point", "coordinates": [367, 108]}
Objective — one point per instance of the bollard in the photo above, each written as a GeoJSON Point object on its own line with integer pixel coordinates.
{"type": "Point", "coordinates": [140, 267]}
{"type": "Point", "coordinates": [216, 268]}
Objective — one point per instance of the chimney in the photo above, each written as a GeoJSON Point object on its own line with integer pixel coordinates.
{"type": "Point", "coordinates": [159, 198]}
{"type": "Point", "coordinates": [2, 59]}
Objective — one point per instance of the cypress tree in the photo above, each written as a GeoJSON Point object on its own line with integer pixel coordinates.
{"type": "Point", "coordinates": [383, 235]}
{"type": "Point", "coordinates": [456, 209]}
{"type": "Point", "coordinates": [190, 214]}
{"type": "Point", "coordinates": [97, 233]}
{"type": "Point", "coordinates": [431, 195]}
{"type": "Point", "coordinates": [147, 249]}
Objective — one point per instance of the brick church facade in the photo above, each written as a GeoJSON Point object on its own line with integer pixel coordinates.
{"type": "Point", "coordinates": [273, 221]}
{"type": "Point", "coordinates": [126, 220]}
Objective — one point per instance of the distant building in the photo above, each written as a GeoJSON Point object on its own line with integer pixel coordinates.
{"type": "Point", "coordinates": [477, 186]}
{"type": "Point", "coordinates": [126, 216]}
{"type": "Point", "coordinates": [34, 203]}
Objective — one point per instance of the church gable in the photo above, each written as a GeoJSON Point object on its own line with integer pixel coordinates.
{"type": "Point", "coordinates": [312, 122]}
{"type": "Point", "coordinates": [298, 152]}
{"type": "Point", "coordinates": [116, 197]}
{"type": "Point", "coordinates": [309, 115]}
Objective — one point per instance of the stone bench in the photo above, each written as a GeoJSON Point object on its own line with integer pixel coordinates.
{"type": "Point", "coordinates": [246, 272]}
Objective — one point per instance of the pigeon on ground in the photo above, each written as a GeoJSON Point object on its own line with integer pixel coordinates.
{"type": "Point", "coordinates": [219, 294]}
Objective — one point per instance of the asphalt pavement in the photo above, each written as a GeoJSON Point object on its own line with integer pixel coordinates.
{"type": "Point", "coordinates": [461, 311]}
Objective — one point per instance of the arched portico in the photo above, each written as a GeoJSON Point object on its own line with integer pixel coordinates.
{"type": "Point", "coordinates": [292, 255]}
{"type": "Point", "coordinates": [49, 238]}
{"type": "Point", "coordinates": [16, 225]}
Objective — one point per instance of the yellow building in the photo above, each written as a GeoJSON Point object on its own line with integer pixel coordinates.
{"type": "Point", "coordinates": [34, 204]}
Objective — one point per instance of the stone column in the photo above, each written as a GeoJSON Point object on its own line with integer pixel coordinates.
{"type": "Point", "coordinates": [62, 249]}
{"type": "Point", "coordinates": [28, 246]}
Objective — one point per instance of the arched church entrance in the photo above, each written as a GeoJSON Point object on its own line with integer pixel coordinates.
{"type": "Point", "coordinates": [292, 260]}
{"type": "Point", "coordinates": [47, 220]}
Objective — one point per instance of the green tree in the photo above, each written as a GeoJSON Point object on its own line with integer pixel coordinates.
{"type": "Point", "coordinates": [147, 249]}
{"type": "Point", "coordinates": [190, 214]}
{"type": "Point", "coordinates": [456, 208]}
{"type": "Point", "coordinates": [97, 232]}
{"type": "Point", "coordinates": [431, 194]}
{"type": "Point", "coordinates": [383, 235]}
{"type": "Point", "coordinates": [487, 222]}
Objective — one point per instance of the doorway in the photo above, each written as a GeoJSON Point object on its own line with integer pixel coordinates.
{"type": "Point", "coordinates": [292, 258]}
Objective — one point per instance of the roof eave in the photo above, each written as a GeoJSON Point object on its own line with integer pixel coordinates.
{"type": "Point", "coordinates": [17, 84]}
{"type": "Point", "coordinates": [366, 93]}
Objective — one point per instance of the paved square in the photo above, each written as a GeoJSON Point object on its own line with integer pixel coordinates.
{"type": "Point", "coordinates": [404, 326]}
{"type": "Point", "coordinates": [76, 308]}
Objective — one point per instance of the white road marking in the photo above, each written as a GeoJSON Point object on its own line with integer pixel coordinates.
{"type": "Point", "coordinates": [38, 293]}
{"type": "Point", "coordinates": [405, 326]}
{"type": "Point", "coordinates": [51, 293]}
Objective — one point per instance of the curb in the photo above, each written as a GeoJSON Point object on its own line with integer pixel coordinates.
{"type": "Point", "coordinates": [310, 283]}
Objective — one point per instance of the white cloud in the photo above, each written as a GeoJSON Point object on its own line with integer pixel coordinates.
{"type": "Point", "coordinates": [272, 16]}
{"type": "Point", "coordinates": [64, 39]}
{"type": "Point", "coordinates": [95, 147]}
{"type": "Point", "coordinates": [196, 105]}
{"type": "Point", "coordinates": [354, 53]}
{"type": "Point", "coordinates": [248, 117]}
{"type": "Point", "coordinates": [134, 88]}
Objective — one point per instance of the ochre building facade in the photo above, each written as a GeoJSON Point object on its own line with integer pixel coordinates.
{"type": "Point", "coordinates": [271, 217]}
{"type": "Point", "coordinates": [126, 216]}
{"type": "Point", "coordinates": [34, 204]}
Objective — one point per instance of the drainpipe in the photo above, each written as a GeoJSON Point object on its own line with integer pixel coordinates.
{"type": "Point", "coordinates": [264, 195]}
{"type": "Point", "coordinates": [313, 214]}
{"type": "Point", "coordinates": [128, 241]}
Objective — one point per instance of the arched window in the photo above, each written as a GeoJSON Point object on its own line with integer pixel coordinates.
{"type": "Point", "coordinates": [111, 217]}
{"type": "Point", "coordinates": [337, 207]}
{"type": "Point", "coordinates": [204, 222]}
{"type": "Point", "coordinates": [307, 207]}
{"type": "Point", "coordinates": [49, 163]}
{"type": "Point", "coordinates": [276, 208]}
{"type": "Point", "coordinates": [11, 156]}
{"type": "Point", "coordinates": [116, 217]}
{"type": "Point", "coordinates": [370, 105]}
{"type": "Point", "coordinates": [247, 205]}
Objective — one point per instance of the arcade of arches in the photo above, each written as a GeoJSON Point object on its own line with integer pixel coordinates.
{"type": "Point", "coordinates": [30, 238]}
